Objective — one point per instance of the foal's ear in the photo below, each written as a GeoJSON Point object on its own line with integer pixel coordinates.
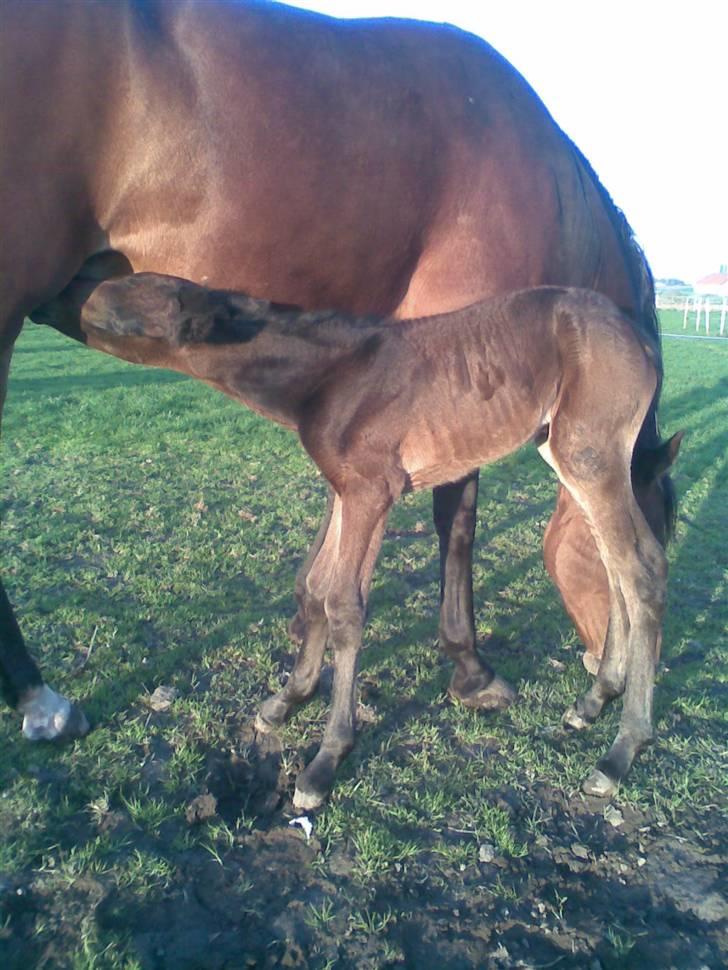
{"type": "Point", "coordinates": [650, 463]}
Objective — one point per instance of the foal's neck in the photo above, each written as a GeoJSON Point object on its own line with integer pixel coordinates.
{"type": "Point", "coordinates": [275, 360]}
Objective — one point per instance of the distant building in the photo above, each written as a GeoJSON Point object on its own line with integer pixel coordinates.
{"type": "Point", "coordinates": [668, 282]}
{"type": "Point", "coordinates": [714, 284]}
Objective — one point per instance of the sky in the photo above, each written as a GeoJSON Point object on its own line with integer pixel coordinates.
{"type": "Point", "coordinates": [641, 86]}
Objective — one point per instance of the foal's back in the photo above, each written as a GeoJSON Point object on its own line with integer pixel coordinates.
{"type": "Point", "coordinates": [466, 388]}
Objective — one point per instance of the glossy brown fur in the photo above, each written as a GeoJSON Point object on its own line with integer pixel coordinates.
{"type": "Point", "coordinates": [385, 408]}
{"type": "Point", "coordinates": [382, 167]}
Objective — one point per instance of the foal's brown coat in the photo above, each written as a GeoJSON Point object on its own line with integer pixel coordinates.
{"type": "Point", "coordinates": [383, 409]}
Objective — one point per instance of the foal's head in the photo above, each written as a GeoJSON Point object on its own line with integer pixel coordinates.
{"type": "Point", "coordinates": [174, 310]}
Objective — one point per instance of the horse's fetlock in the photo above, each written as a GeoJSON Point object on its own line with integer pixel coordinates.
{"type": "Point", "coordinates": [642, 733]}
{"type": "Point", "coordinates": [457, 640]}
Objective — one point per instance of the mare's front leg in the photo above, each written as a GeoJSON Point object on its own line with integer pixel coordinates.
{"type": "Point", "coordinates": [474, 683]}
{"type": "Point", "coordinates": [47, 716]}
{"type": "Point", "coordinates": [363, 515]}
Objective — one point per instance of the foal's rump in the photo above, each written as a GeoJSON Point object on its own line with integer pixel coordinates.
{"type": "Point", "coordinates": [609, 376]}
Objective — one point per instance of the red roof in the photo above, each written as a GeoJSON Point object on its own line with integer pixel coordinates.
{"type": "Point", "coordinates": [721, 279]}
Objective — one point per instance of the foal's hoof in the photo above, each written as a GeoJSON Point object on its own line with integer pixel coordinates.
{"type": "Point", "coordinates": [574, 720]}
{"type": "Point", "coordinates": [308, 801]}
{"type": "Point", "coordinates": [314, 784]}
{"type": "Point", "coordinates": [599, 784]}
{"type": "Point", "coordinates": [496, 696]}
{"type": "Point", "coordinates": [591, 663]}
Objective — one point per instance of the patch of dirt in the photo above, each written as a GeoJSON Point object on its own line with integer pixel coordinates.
{"type": "Point", "coordinates": [593, 893]}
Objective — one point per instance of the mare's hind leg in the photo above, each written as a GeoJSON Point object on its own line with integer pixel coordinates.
{"type": "Point", "coordinates": [312, 584]}
{"type": "Point", "coordinates": [474, 683]}
{"type": "Point", "coordinates": [46, 715]}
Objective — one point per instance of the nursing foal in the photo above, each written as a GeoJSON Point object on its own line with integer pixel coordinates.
{"type": "Point", "coordinates": [383, 409]}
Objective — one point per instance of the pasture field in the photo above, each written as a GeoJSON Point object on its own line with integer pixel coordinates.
{"type": "Point", "coordinates": [151, 531]}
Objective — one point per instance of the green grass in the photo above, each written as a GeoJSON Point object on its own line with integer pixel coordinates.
{"type": "Point", "coordinates": [151, 532]}
{"type": "Point", "coordinates": [672, 323]}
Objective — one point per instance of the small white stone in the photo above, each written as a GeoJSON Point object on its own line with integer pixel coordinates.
{"type": "Point", "coordinates": [486, 852]}
{"type": "Point", "coordinates": [613, 815]}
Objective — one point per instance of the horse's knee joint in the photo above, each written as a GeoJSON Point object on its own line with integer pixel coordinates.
{"type": "Point", "coordinates": [344, 609]}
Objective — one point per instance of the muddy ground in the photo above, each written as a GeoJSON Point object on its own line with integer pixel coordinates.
{"type": "Point", "coordinates": [599, 887]}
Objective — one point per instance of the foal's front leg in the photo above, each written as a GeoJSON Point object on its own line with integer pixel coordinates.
{"type": "Point", "coordinates": [312, 585]}
{"type": "Point", "coordinates": [297, 626]}
{"type": "Point", "coordinates": [363, 516]}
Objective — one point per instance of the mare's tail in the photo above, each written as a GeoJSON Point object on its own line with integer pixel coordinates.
{"type": "Point", "coordinates": [646, 321]}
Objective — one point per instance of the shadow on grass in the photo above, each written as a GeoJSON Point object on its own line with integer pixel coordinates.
{"type": "Point", "coordinates": [62, 384]}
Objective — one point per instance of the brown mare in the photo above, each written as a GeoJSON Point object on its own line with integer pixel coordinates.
{"type": "Point", "coordinates": [385, 409]}
{"type": "Point", "coordinates": [385, 167]}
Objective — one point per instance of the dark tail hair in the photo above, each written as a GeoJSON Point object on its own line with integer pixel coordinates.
{"type": "Point", "coordinates": [643, 287]}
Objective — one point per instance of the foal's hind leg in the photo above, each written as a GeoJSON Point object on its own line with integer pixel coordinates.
{"type": "Point", "coordinates": [46, 715]}
{"type": "Point", "coordinates": [637, 571]}
{"type": "Point", "coordinates": [474, 682]}
{"type": "Point", "coordinates": [637, 567]}
{"type": "Point", "coordinates": [312, 584]}
{"type": "Point", "coordinates": [612, 670]}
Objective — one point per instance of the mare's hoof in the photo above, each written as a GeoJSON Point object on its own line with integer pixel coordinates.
{"type": "Point", "coordinates": [574, 720]}
{"type": "Point", "coordinates": [314, 784]}
{"type": "Point", "coordinates": [66, 725]}
{"type": "Point", "coordinates": [599, 784]}
{"type": "Point", "coordinates": [496, 696]}
{"type": "Point", "coordinates": [591, 663]}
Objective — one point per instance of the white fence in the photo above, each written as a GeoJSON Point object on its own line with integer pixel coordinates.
{"type": "Point", "coordinates": [702, 308]}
